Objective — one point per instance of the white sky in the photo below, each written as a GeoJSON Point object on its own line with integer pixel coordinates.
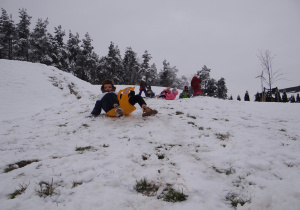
{"type": "Point", "coordinates": [226, 36]}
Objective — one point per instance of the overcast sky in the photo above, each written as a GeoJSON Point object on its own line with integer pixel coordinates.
{"type": "Point", "coordinates": [224, 35]}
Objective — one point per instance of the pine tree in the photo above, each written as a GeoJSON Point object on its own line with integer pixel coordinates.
{"type": "Point", "coordinates": [230, 98]}
{"type": "Point", "coordinates": [40, 42]}
{"type": "Point", "coordinates": [23, 32]}
{"type": "Point", "coordinates": [101, 71]}
{"type": "Point", "coordinates": [284, 97]}
{"type": "Point", "coordinates": [292, 99]}
{"type": "Point", "coordinates": [203, 74]}
{"type": "Point", "coordinates": [111, 67]}
{"type": "Point", "coordinates": [167, 75]}
{"type": "Point", "coordinates": [221, 89]}
{"type": "Point", "coordinates": [7, 35]}
{"type": "Point", "coordinates": [211, 88]}
{"type": "Point", "coordinates": [153, 76]}
{"type": "Point", "coordinates": [93, 63]}
{"type": "Point", "coordinates": [73, 50]}
{"type": "Point", "coordinates": [257, 97]}
{"type": "Point", "coordinates": [277, 97]}
{"type": "Point", "coordinates": [131, 67]}
{"type": "Point", "coordinates": [145, 67]}
{"type": "Point", "coordinates": [298, 98]}
{"type": "Point", "coordinates": [238, 98]}
{"type": "Point", "coordinates": [59, 52]}
{"type": "Point", "coordinates": [246, 97]}
{"type": "Point", "coordinates": [181, 82]}
{"type": "Point", "coordinates": [86, 62]}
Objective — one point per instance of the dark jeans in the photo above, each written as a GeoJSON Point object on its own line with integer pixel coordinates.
{"type": "Point", "coordinates": [136, 99]}
{"type": "Point", "coordinates": [140, 93]}
{"type": "Point", "coordinates": [108, 101]}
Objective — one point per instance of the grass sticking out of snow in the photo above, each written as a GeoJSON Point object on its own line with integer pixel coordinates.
{"type": "Point", "coordinates": [81, 149]}
{"type": "Point", "coordinates": [235, 200]}
{"type": "Point", "coordinates": [18, 191]}
{"type": "Point", "coordinates": [171, 195]}
{"type": "Point", "coordinates": [146, 188]}
{"type": "Point", "coordinates": [19, 164]}
{"type": "Point", "coordinates": [46, 189]}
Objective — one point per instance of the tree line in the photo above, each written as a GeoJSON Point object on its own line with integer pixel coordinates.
{"type": "Point", "coordinates": [77, 56]}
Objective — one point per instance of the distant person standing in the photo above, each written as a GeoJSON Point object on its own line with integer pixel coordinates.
{"type": "Point", "coordinates": [143, 85]}
{"type": "Point", "coordinates": [246, 97]}
{"type": "Point", "coordinates": [195, 83]}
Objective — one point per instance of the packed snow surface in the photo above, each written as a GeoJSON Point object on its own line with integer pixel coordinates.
{"type": "Point", "coordinates": [209, 149]}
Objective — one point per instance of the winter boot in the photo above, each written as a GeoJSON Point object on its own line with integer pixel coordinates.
{"type": "Point", "coordinates": [119, 112]}
{"type": "Point", "coordinates": [148, 112]}
{"type": "Point", "coordinates": [91, 116]}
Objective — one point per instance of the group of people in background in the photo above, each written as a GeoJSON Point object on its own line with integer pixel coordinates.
{"type": "Point", "coordinates": [170, 94]}
{"type": "Point", "coordinates": [270, 96]}
{"type": "Point", "coordinates": [196, 88]}
{"type": "Point", "coordinates": [144, 87]}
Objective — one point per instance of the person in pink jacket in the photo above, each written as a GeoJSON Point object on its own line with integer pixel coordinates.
{"type": "Point", "coordinates": [168, 94]}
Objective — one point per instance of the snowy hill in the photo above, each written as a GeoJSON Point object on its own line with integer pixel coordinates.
{"type": "Point", "coordinates": [219, 153]}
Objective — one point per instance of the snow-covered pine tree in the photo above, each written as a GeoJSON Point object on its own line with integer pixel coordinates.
{"type": "Point", "coordinates": [7, 35]}
{"type": "Point", "coordinates": [94, 74]}
{"type": "Point", "coordinates": [238, 98]}
{"type": "Point", "coordinates": [153, 75]}
{"type": "Point", "coordinates": [145, 66]}
{"type": "Point", "coordinates": [111, 67]}
{"type": "Point", "coordinates": [203, 74]}
{"type": "Point", "coordinates": [73, 50]}
{"type": "Point", "coordinates": [168, 74]}
{"type": "Point", "coordinates": [181, 82]}
{"type": "Point", "coordinates": [22, 45]}
{"type": "Point", "coordinates": [221, 88]}
{"type": "Point", "coordinates": [59, 54]}
{"type": "Point", "coordinates": [86, 62]}
{"type": "Point", "coordinates": [131, 68]}
{"type": "Point", "coordinates": [211, 89]}
{"type": "Point", "coordinates": [101, 71]}
{"type": "Point", "coordinates": [40, 42]}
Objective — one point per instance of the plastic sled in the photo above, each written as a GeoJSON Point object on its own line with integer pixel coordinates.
{"type": "Point", "coordinates": [124, 103]}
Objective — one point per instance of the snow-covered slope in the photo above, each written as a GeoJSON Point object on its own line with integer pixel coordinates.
{"type": "Point", "coordinates": [209, 149]}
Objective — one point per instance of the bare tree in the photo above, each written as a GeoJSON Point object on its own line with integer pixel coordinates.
{"type": "Point", "coordinates": [266, 61]}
